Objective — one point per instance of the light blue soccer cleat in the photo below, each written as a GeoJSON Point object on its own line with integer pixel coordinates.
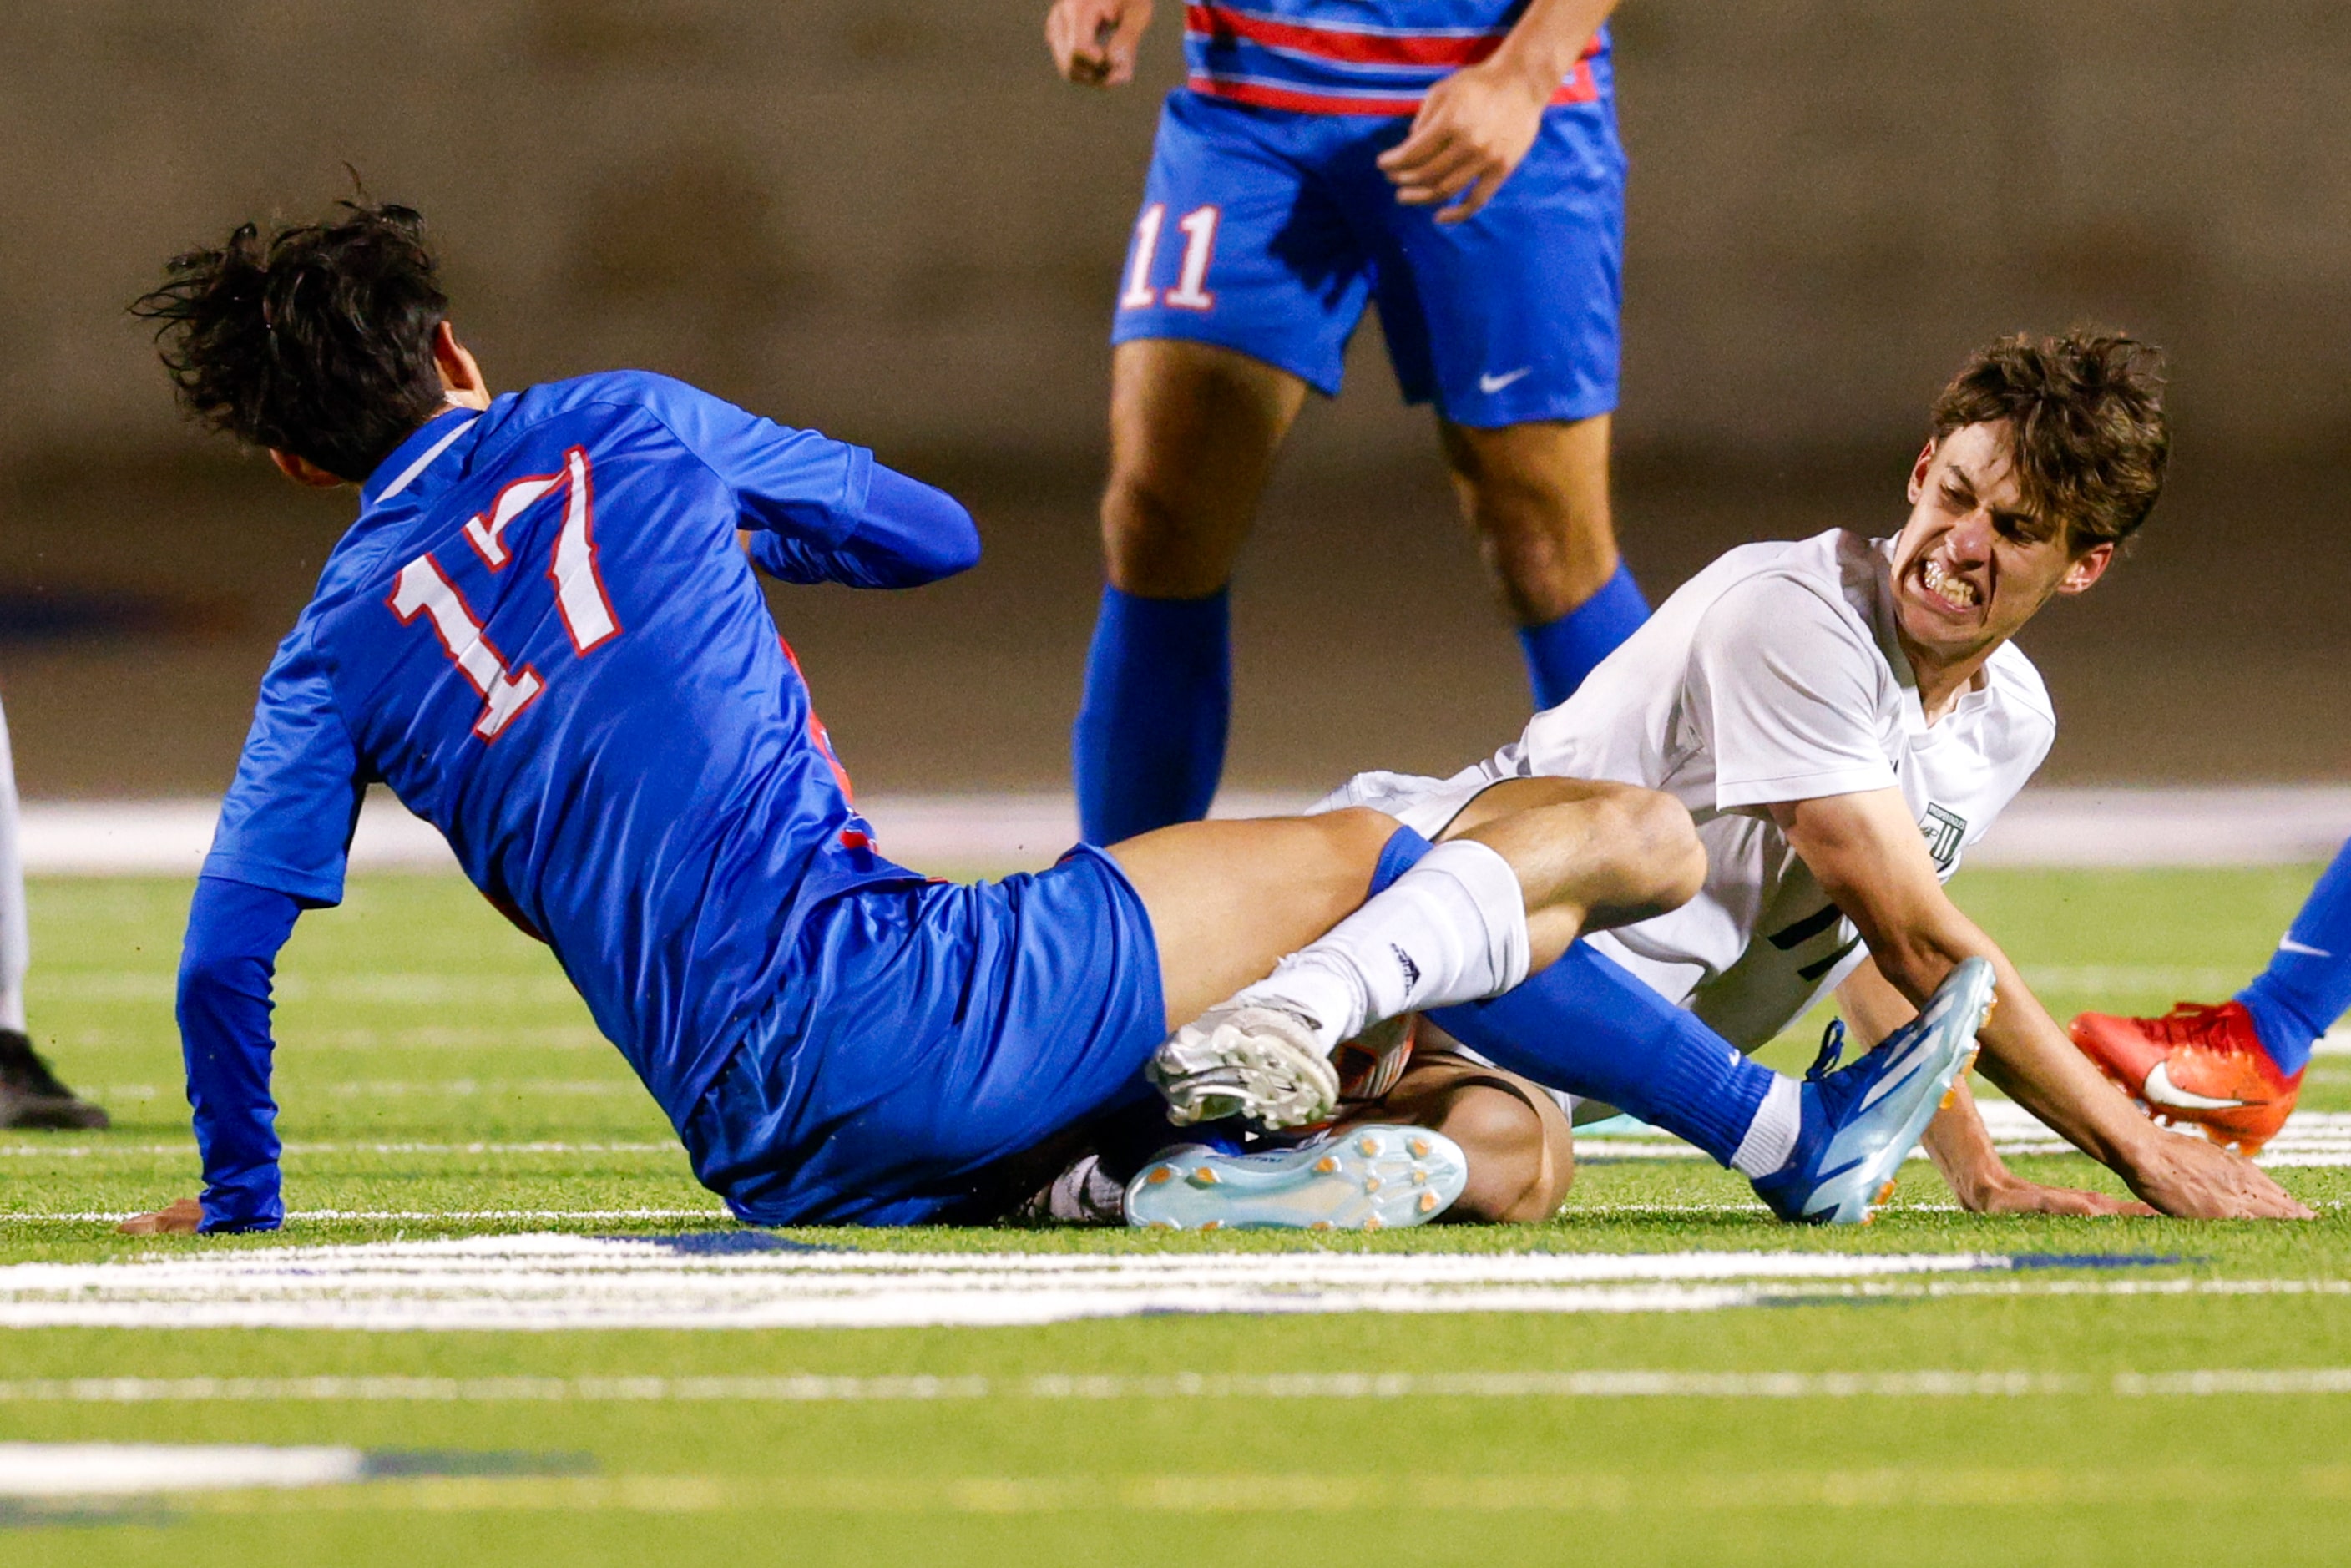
{"type": "Point", "coordinates": [1860, 1123]}
{"type": "Point", "coordinates": [1367, 1178]}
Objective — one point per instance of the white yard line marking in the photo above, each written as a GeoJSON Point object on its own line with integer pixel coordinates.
{"type": "Point", "coordinates": [133, 1469]}
{"type": "Point", "coordinates": [297, 1151]}
{"type": "Point", "coordinates": [823, 1390]}
{"type": "Point", "coordinates": [2310, 1138]}
{"type": "Point", "coordinates": [421, 988]}
{"type": "Point", "coordinates": [742, 1280]}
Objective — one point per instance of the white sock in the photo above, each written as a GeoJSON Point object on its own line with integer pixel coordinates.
{"type": "Point", "coordinates": [1770, 1138]}
{"type": "Point", "coordinates": [1451, 929]}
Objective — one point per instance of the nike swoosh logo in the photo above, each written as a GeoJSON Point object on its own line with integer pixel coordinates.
{"type": "Point", "coordinates": [2288, 944]}
{"type": "Point", "coordinates": [2159, 1090]}
{"type": "Point", "coordinates": [1489, 385]}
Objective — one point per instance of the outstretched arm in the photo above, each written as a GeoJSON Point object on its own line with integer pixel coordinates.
{"type": "Point", "coordinates": [1475, 127]}
{"type": "Point", "coordinates": [234, 931]}
{"type": "Point", "coordinates": [1869, 858]}
{"type": "Point", "coordinates": [1957, 1140]}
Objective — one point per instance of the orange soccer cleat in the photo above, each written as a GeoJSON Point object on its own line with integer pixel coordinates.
{"type": "Point", "coordinates": [2202, 1066]}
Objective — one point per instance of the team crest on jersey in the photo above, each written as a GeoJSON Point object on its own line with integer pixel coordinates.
{"type": "Point", "coordinates": [1943, 830]}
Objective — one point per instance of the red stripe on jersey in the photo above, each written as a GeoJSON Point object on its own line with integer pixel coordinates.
{"type": "Point", "coordinates": [1578, 88]}
{"type": "Point", "coordinates": [1348, 45]}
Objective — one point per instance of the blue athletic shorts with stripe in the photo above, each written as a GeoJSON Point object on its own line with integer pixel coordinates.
{"type": "Point", "coordinates": [1268, 232]}
{"type": "Point", "coordinates": [926, 1035]}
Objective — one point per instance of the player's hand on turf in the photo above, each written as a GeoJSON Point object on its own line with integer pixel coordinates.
{"type": "Point", "coordinates": [2192, 1179]}
{"type": "Point", "coordinates": [1472, 130]}
{"type": "Point", "coordinates": [2014, 1197]}
{"type": "Point", "coordinates": [180, 1218]}
{"type": "Point", "coordinates": [1094, 41]}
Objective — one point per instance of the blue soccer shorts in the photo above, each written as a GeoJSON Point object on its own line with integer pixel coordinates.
{"type": "Point", "coordinates": [926, 1035]}
{"type": "Point", "coordinates": [1268, 232]}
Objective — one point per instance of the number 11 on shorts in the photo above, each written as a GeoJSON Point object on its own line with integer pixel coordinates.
{"type": "Point", "coordinates": [1199, 227]}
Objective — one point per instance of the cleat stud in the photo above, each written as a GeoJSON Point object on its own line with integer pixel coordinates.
{"type": "Point", "coordinates": [1325, 1166]}
{"type": "Point", "coordinates": [1163, 1225]}
{"type": "Point", "coordinates": [1321, 1225]}
{"type": "Point", "coordinates": [1419, 1147]}
{"type": "Point", "coordinates": [1950, 1097]}
{"type": "Point", "coordinates": [1371, 1184]}
{"type": "Point", "coordinates": [1368, 1143]}
{"type": "Point", "coordinates": [1372, 1223]}
{"type": "Point", "coordinates": [1427, 1201]}
{"type": "Point", "coordinates": [1160, 1175]}
{"type": "Point", "coordinates": [1204, 1177]}
{"type": "Point", "coordinates": [1212, 1225]}
{"type": "Point", "coordinates": [1419, 1176]}
{"type": "Point", "coordinates": [1884, 1192]}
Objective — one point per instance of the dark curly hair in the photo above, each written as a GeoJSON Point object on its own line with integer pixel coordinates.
{"type": "Point", "coordinates": [316, 340]}
{"type": "Point", "coordinates": [2087, 429]}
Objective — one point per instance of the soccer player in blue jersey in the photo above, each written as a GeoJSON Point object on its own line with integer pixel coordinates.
{"type": "Point", "coordinates": [1453, 162]}
{"type": "Point", "coordinates": [541, 634]}
{"type": "Point", "coordinates": [2234, 1070]}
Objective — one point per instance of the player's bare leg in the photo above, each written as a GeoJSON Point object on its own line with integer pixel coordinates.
{"type": "Point", "coordinates": [1194, 432]}
{"type": "Point", "coordinates": [1536, 495]}
{"type": "Point", "coordinates": [1229, 900]}
{"type": "Point", "coordinates": [1520, 1148]}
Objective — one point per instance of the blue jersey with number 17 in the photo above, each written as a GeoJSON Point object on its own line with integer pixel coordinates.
{"type": "Point", "coordinates": [541, 634]}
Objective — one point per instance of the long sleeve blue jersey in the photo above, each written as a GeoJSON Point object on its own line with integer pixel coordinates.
{"type": "Point", "coordinates": [541, 634]}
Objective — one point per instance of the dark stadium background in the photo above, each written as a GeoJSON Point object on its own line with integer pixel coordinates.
{"type": "Point", "coordinates": [885, 218]}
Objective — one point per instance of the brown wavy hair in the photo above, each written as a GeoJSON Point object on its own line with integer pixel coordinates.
{"type": "Point", "coordinates": [2086, 432]}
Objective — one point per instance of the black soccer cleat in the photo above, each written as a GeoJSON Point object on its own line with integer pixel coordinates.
{"type": "Point", "coordinates": [31, 1095]}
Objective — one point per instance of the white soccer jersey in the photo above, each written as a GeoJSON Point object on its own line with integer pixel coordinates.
{"type": "Point", "coordinates": [1772, 675]}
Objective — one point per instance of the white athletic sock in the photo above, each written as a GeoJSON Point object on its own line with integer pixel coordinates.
{"type": "Point", "coordinates": [1770, 1138]}
{"type": "Point", "coordinates": [1451, 929]}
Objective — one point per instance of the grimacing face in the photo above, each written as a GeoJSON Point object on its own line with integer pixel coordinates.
{"type": "Point", "coordinates": [1973, 561]}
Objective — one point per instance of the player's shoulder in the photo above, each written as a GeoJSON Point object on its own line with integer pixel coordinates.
{"type": "Point", "coordinates": [1782, 588]}
{"type": "Point", "coordinates": [664, 397]}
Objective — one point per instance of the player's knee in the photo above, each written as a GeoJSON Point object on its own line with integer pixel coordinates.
{"type": "Point", "coordinates": [1656, 846]}
{"type": "Point", "coordinates": [1511, 1181]}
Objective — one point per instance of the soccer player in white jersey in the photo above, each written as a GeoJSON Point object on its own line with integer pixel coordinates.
{"type": "Point", "coordinates": [30, 1094]}
{"type": "Point", "coordinates": [1844, 716]}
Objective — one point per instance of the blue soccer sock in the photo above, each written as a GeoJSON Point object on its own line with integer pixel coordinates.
{"type": "Point", "coordinates": [1560, 653]}
{"type": "Point", "coordinates": [1587, 1026]}
{"type": "Point", "coordinates": [2307, 985]}
{"type": "Point", "coordinates": [1149, 742]}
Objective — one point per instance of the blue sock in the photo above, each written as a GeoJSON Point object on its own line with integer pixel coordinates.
{"type": "Point", "coordinates": [1150, 738]}
{"type": "Point", "coordinates": [2308, 983]}
{"type": "Point", "coordinates": [1560, 653]}
{"type": "Point", "coordinates": [1587, 1026]}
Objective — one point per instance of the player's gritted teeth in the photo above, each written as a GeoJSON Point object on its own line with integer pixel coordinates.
{"type": "Point", "coordinates": [1950, 590]}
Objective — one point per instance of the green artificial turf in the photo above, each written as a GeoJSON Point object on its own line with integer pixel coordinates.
{"type": "Point", "coordinates": [433, 1065]}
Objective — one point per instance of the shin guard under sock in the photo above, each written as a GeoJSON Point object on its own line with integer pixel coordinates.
{"type": "Point", "coordinates": [1149, 742]}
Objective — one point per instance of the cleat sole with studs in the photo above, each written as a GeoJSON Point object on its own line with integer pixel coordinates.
{"type": "Point", "coordinates": [1372, 1178]}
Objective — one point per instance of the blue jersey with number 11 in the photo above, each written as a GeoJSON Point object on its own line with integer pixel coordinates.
{"type": "Point", "coordinates": [541, 634]}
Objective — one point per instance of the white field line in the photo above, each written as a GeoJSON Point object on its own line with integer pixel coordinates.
{"type": "Point", "coordinates": [409, 988]}
{"type": "Point", "coordinates": [823, 1389]}
{"type": "Point", "coordinates": [135, 1469]}
{"type": "Point", "coordinates": [548, 1282]}
{"type": "Point", "coordinates": [299, 1150]}
{"type": "Point", "coordinates": [2310, 1138]}
{"type": "Point", "coordinates": [995, 833]}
